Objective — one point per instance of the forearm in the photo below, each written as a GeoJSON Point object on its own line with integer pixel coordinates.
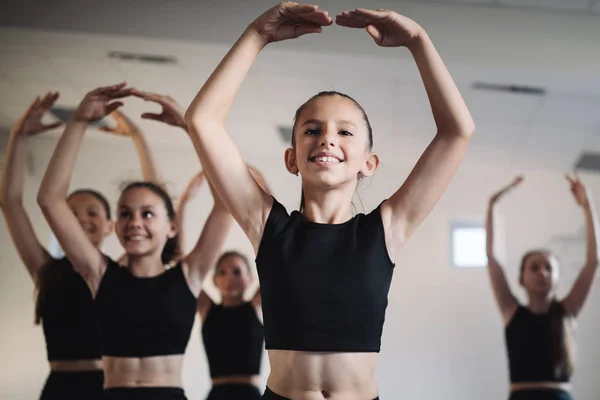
{"type": "Point", "coordinates": [150, 171]}
{"type": "Point", "coordinates": [179, 219]}
{"type": "Point", "coordinates": [13, 174]}
{"type": "Point", "coordinates": [591, 226]}
{"type": "Point", "coordinates": [450, 112]}
{"type": "Point", "coordinates": [489, 230]}
{"type": "Point", "coordinates": [55, 184]}
{"type": "Point", "coordinates": [214, 100]}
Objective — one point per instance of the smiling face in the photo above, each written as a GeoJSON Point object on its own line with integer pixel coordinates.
{"type": "Point", "coordinates": [92, 215]}
{"type": "Point", "coordinates": [143, 223]}
{"type": "Point", "coordinates": [332, 142]}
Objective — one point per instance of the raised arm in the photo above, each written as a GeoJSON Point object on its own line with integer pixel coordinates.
{"type": "Point", "coordinates": [52, 197]}
{"type": "Point", "coordinates": [576, 298]}
{"type": "Point", "coordinates": [257, 299]}
{"type": "Point", "coordinates": [127, 127]}
{"type": "Point", "coordinates": [206, 115]}
{"type": "Point", "coordinates": [405, 210]}
{"type": "Point", "coordinates": [507, 303]}
{"type": "Point", "coordinates": [31, 251]}
{"type": "Point", "coordinates": [205, 253]}
{"type": "Point", "coordinates": [189, 193]}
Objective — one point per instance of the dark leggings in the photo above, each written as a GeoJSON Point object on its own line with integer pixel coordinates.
{"type": "Point", "coordinates": [269, 395]}
{"type": "Point", "coordinates": [541, 394]}
{"type": "Point", "coordinates": [234, 391]}
{"type": "Point", "coordinates": [144, 393]}
{"type": "Point", "coordinates": [73, 385]}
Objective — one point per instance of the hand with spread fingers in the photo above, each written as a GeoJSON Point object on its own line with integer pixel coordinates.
{"type": "Point", "coordinates": [386, 27]}
{"type": "Point", "coordinates": [172, 112]}
{"type": "Point", "coordinates": [289, 20]}
{"type": "Point", "coordinates": [99, 103]}
{"type": "Point", "coordinates": [30, 122]}
{"type": "Point", "coordinates": [516, 182]}
{"type": "Point", "coordinates": [578, 189]}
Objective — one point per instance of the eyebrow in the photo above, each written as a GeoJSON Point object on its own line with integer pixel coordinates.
{"type": "Point", "coordinates": [316, 121]}
{"type": "Point", "coordinates": [143, 207]}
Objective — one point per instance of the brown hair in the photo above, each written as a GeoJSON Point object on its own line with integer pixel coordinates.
{"type": "Point", "coordinates": [323, 94]}
{"type": "Point", "coordinates": [562, 340]}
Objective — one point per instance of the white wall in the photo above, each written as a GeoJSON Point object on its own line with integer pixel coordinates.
{"type": "Point", "coordinates": [443, 335]}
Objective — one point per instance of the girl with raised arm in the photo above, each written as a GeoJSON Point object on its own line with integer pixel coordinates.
{"type": "Point", "coordinates": [145, 311]}
{"type": "Point", "coordinates": [232, 330]}
{"type": "Point", "coordinates": [325, 274]}
{"type": "Point", "coordinates": [64, 305]}
{"type": "Point", "coordinates": [539, 335]}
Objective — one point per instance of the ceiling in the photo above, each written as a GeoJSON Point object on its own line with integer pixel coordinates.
{"type": "Point", "coordinates": [499, 41]}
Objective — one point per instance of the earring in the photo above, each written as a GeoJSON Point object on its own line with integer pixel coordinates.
{"type": "Point", "coordinates": [296, 173]}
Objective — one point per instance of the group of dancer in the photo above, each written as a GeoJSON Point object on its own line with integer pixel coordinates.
{"type": "Point", "coordinates": [119, 329]}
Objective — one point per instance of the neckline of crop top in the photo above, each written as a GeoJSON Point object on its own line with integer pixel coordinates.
{"type": "Point", "coordinates": [144, 317]}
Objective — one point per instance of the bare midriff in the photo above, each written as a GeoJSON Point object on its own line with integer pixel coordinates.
{"type": "Point", "coordinates": [320, 375]}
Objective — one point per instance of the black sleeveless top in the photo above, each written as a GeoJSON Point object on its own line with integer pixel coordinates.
{"type": "Point", "coordinates": [69, 316]}
{"type": "Point", "coordinates": [531, 347]}
{"type": "Point", "coordinates": [324, 287]}
{"type": "Point", "coordinates": [144, 317]}
{"type": "Point", "coordinates": [233, 340]}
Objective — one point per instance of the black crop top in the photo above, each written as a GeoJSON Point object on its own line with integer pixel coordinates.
{"type": "Point", "coordinates": [68, 315]}
{"type": "Point", "coordinates": [144, 317]}
{"type": "Point", "coordinates": [530, 347]}
{"type": "Point", "coordinates": [324, 287]}
{"type": "Point", "coordinates": [233, 340]}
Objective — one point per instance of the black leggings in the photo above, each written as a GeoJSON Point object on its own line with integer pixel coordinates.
{"type": "Point", "coordinates": [73, 385]}
{"type": "Point", "coordinates": [540, 394]}
{"type": "Point", "coordinates": [269, 395]}
{"type": "Point", "coordinates": [144, 393]}
{"type": "Point", "coordinates": [234, 391]}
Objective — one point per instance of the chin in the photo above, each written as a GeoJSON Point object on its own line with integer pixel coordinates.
{"type": "Point", "coordinates": [136, 251]}
{"type": "Point", "coordinates": [544, 292]}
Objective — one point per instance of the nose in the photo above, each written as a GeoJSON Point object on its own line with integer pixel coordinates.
{"type": "Point", "coordinates": [329, 136]}
{"type": "Point", "coordinates": [135, 220]}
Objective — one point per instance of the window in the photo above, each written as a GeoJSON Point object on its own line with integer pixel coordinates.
{"type": "Point", "coordinates": [467, 244]}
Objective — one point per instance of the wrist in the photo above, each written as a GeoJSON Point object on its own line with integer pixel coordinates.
{"type": "Point", "coordinates": [255, 35]}
{"type": "Point", "coordinates": [77, 120]}
{"type": "Point", "coordinates": [19, 134]}
{"type": "Point", "coordinates": [418, 41]}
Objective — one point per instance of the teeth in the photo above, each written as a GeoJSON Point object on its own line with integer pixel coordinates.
{"type": "Point", "coordinates": [136, 237]}
{"type": "Point", "coordinates": [326, 159]}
